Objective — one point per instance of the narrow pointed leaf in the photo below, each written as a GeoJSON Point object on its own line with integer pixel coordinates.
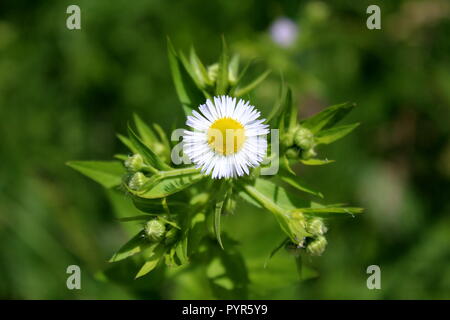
{"type": "Point", "coordinates": [149, 156]}
{"type": "Point", "coordinates": [287, 166]}
{"type": "Point", "coordinates": [291, 113]}
{"type": "Point", "coordinates": [233, 68]}
{"type": "Point", "coordinates": [240, 77]}
{"type": "Point", "coordinates": [331, 212]}
{"type": "Point", "coordinates": [181, 250]}
{"type": "Point", "coordinates": [127, 143]}
{"type": "Point", "coordinates": [163, 185]}
{"type": "Point", "coordinates": [162, 135]}
{"type": "Point", "coordinates": [299, 186]}
{"type": "Point", "coordinates": [222, 77]}
{"type": "Point", "coordinates": [151, 263]}
{"type": "Point", "coordinates": [252, 85]}
{"type": "Point", "coordinates": [188, 94]}
{"type": "Point", "coordinates": [279, 102]}
{"type": "Point", "coordinates": [190, 70]}
{"type": "Point", "coordinates": [146, 133]}
{"type": "Point", "coordinates": [274, 251]}
{"type": "Point", "coordinates": [156, 206]}
{"type": "Point", "coordinates": [198, 68]}
{"type": "Point", "coordinates": [333, 134]}
{"type": "Point", "coordinates": [217, 215]}
{"type": "Point", "coordinates": [120, 157]}
{"type": "Point", "coordinates": [107, 173]}
{"type": "Point", "coordinates": [316, 162]}
{"type": "Point", "coordinates": [328, 117]}
{"type": "Point", "coordinates": [135, 245]}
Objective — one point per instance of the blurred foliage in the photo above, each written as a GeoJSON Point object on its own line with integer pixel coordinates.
{"type": "Point", "coordinates": [64, 94]}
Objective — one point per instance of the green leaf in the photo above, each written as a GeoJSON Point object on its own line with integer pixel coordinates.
{"type": "Point", "coordinates": [135, 245]}
{"type": "Point", "coordinates": [166, 183]}
{"type": "Point", "coordinates": [286, 165]}
{"type": "Point", "coordinates": [328, 117]}
{"type": "Point", "coordinates": [222, 76]}
{"type": "Point", "coordinates": [162, 136]}
{"type": "Point", "coordinates": [333, 134]}
{"type": "Point", "coordinates": [331, 212]}
{"type": "Point", "coordinates": [121, 157]}
{"type": "Point", "coordinates": [199, 69]}
{"type": "Point", "coordinates": [299, 186]}
{"type": "Point", "coordinates": [157, 206]}
{"type": "Point", "coordinates": [233, 68]}
{"type": "Point", "coordinates": [279, 102]}
{"type": "Point", "coordinates": [240, 77]}
{"type": "Point", "coordinates": [107, 173]}
{"type": "Point", "coordinates": [217, 215]}
{"type": "Point", "coordinates": [149, 156]}
{"type": "Point", "coordinates": [291, 113]}
{"type": "Point", "coordinates": [127, 143]}
{"type": "Point", "coordinates": [151, 263]}
{"type": "Point", "coordinates": [181, 250]}
{"type": "Point", "coordinates": [143, 217]}
{"type": "Point", "coordinates": [189, 69]}
{"type": "Point", "coordinates": [316, 162]}
{"type": "Point", "coordinates": [252, 85]}
{"type": "Point", "coordinates": [146, 133]}
{"type": "Point", "coordinates": [274, 251]}
{"type": "Point", "coordinates": [188, 94]}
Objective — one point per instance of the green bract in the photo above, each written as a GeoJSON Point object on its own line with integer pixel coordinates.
{"type": "Point", "coordinates": [182, 208]}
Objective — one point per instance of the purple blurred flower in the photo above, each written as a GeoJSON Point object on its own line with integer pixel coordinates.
{"type": "Point", "coordinates": [284, 31]}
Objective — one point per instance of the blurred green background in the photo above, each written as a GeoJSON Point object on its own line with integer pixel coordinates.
{"type": "Point", "coordinates": [64, 94]}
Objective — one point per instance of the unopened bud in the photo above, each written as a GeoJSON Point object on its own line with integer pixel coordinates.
{"type": "Point", "coordinates": [316, 227]}
{"type": "Point", "coordinates": [154, 230]}
{"type": "Point", "coordinates": [304, 138]}
{"type": "Point", "coordinates": [292, 153]}
{"type": "Point", "coordinates": [134, 163]}
{"type": "Point", "coordinates": [297, 225]}
{"type": "Point", "coordinates": [137, 181]}
{"type": "Point", "coordinates": [288, 139]}
{"type": "Point", "coordinates": [308, 154]}
{"type": "Point", "coordinates": [317, 246]}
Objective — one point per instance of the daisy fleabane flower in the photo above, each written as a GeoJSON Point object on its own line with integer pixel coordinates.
{"type": "Point", "coordinates": [227, 139]}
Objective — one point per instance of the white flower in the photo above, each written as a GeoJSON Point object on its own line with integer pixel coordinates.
{"type": "Point", "coordinates": [228, 137]}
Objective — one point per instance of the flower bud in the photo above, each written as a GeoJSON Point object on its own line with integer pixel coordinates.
{"type": "Point", "coordinates": [292, 153]}
{"type": "Point", "coordinates": [137, 181]}
{"type": "Point", "coordinates": [317, 246]}
{"type": "Point", "coordinates": [154, 230]}
{"type": "Point", "coordinates": [316, 227]}
{"type": "Point", "coordinates": [288, 139]}
{"type": "Point", "coordinates": [308, 154]}
{"type": "Point", "coordinates": [297, 225]}
{"type": "Point", "coordinates": [304, 138]}
{"type": "Point", "coordinates": [134, 163]}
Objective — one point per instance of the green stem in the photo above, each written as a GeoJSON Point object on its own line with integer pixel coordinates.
{"type": "Point", "coordinates": [269, 205]}
{"type": "Point", "coordinates": [178, 172]}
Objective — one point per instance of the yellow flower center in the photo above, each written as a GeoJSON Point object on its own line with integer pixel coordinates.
{"type": "Point", "coordinates": [226, 136]}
